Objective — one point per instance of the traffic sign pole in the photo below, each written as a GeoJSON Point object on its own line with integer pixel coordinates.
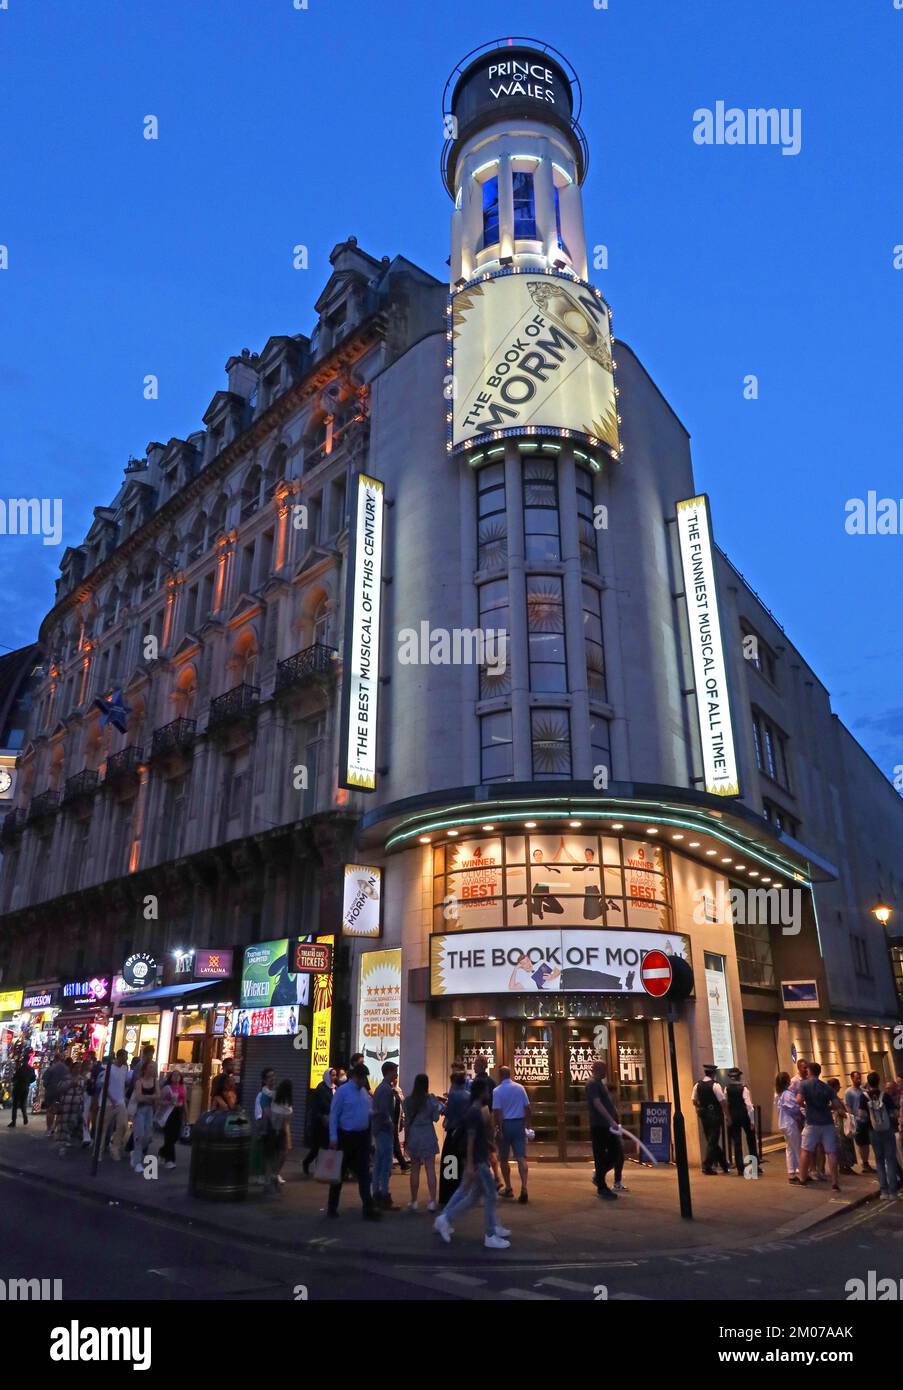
{"type": "Point", "coordinates": [680, 1132]}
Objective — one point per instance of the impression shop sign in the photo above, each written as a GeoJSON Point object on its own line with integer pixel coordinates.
{"type": "Point", "coordinates": [546, 961]}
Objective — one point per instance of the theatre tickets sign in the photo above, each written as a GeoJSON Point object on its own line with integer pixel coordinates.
{"type": "Point", "coordinates": [531, 351]}
{"type": "Point", "coordinates": [360, 674]}
{"type": "Point", "coordinates": [545, 961]}
{"type": "Point", "coordinates": [697, 553]}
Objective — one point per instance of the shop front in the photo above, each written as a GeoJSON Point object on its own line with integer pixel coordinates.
{"type": "Point", "coordinates": [35, 1031]}
{"type": "Point", "coordinates": [10, 1007]}
{"type": "Point", "coordinates": [82, 1023]}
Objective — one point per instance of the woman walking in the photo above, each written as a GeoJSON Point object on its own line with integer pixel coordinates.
{"type": "Point", "coordinates": [454, 1145]}
{"type": "Point", "coordinates": [421, 1111]}
{"type": "Point", "coordinates": [789, 1123]}
{"type": "Point", "coordinates": [281, 1112]}
{"type": "Point", "coordinates": [171, 1116]}
{"type": "Point", "coordinates": [881, 1112]}
{"type": "Point", "coordinates": [143, 1104]}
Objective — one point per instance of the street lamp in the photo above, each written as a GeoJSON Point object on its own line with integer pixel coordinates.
{"type": "Point", "coordinates": [882, 912]}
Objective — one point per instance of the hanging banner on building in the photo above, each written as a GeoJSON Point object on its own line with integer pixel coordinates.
{"type": "Point", "coordinates": [360, 672]}
{"type": "Point", "coordinates": [719, 1011]}
{"type": "Point", "coordinates": [267, 977]}
{"type": "Point", "coordinates": [532, 352]}
{"type": "Point", "coordinates": [322, 1020]}
{"type": "Point", "coordinates": [361, 900]}
{"type": "Point", "coordinates": [379, 1009]}
{"type": "Point", "coordinates": [545, 961]}
{"type": "Point", "coordinates": [713, 708]}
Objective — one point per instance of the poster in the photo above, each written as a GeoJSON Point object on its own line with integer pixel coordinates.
{"type": "Point", "coordinates": [361, 894]}
{"type": "Point", "coordinates": [360, 674]}
{"type": "Point", "coordinates": [322, 1021]}
{"type": "Point", "coordinates": [545, 960]}
{"type": "Point", "coordinates": [265, 978]}
{"type": "Point", "coordinates": [379, 1009]}
{"type": "Point", "coordinates": [655, 1129]}
{"type": "Point", "coordinates": [257, 1023]}
{"type": "Point", "coordinates": [532, 351]}
{"type": "Point", "coordinates": [719, 1011]}
{"type": "Point", "coordinates": [531, 1064]}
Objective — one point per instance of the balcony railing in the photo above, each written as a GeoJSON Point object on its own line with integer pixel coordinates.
{"type": "Point", "coordinates": [82, 784]}
{"type": "Point", "coordinates": [172, 738]}
{"type": "Point", "coordinates": [44, 804]}
{"type": "Point", "coordinates": [237, 703]}
{"type": "Point", "coordinates": [124, 764]}
{"type": "Point", "coordinates": [13, 825]}
{"type": "Point", "coordinates": [314, 661]}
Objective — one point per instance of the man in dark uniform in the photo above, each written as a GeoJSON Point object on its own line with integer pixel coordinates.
{"type": "Point", "coordinates": [708, 1097]}
{"type": "Point", "coordinates": [740, 1114]}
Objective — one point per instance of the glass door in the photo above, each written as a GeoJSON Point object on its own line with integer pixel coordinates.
{"type": "Point", "coordinates": [532, 1048]}
{"type": "Point", "coordinates": [583, 1043]}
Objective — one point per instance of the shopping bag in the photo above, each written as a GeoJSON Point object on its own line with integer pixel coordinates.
{"type": "Point", "coordinates": [329, 1166]}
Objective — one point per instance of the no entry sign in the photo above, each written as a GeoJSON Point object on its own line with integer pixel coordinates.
{"type": "Point", "coordinates": [655, 973]}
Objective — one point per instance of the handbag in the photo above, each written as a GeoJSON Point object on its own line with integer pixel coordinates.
{"type": "Point", "coordinates": [328, 1167]}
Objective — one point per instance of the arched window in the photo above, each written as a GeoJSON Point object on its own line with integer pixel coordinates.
{"type": "Point", "coordinates": [323, 624]}
{"type": "Point", "coordinates": [275, 470]}
{"type": "Point", "coordinates": [217, 521]}
{"type": "Point", "coordinates": [250, 492]}
{"type": "Point", "coordinates": [244, 662]}
{"type": "Point", "coordinates": [196, 540]}
{"type": "Point", "coordinates": [185, 693]}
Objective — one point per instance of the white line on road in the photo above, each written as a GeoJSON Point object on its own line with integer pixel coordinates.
{"type": "Point", "coordinates": [451, 1278]}
{"type": "Point", "coordinates": [528, 1294]}
{"type": "Point", "coordinates": [570, 1284]}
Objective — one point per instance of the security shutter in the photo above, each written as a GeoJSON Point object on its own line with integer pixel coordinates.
{"type": "Point", "coordinates": [290, 1064]}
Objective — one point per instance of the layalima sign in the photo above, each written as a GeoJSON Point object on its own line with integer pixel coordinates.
{"type": "Point", "coordinates": [697, 554]}
{"type": "Point", "coordinates": [362, 624]}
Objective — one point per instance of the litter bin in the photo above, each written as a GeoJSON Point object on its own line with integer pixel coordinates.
{"type": "Point", "coordinates": [220, 1156]}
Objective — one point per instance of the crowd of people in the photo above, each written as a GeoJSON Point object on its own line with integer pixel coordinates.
{"type": "Point", "coordinates": [824, 1129]}
{"type": "Point", "coordinates": [486, 1131]}
{"type": "Point", "coordinates": [140, 1107]}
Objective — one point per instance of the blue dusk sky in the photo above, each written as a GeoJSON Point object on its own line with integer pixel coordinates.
{"type": "Point", "coordinates": [280, 126]}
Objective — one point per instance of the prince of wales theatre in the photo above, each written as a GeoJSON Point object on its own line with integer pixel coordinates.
{"type": "Point", "coordinates": [637, 765]}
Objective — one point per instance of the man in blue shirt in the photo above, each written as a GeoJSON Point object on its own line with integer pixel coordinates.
{"type": "Point", "coordinates": [349, 1130]}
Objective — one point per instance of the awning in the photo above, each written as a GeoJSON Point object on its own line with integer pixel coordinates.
{"type": "Point", "coordinates": [218, 991]}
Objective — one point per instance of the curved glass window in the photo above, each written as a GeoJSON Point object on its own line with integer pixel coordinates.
{"type": "Point", "coordinates": [542, 539]}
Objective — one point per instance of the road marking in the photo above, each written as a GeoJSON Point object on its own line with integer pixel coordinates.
{"type": "Point", "coordinates": [529, 1294]}
{"type": "Point", "coordinates": [629, 1297]}
{"type": "Point", "coordinates": [570, 1284]}
{"type": "Point", "coordinates": [451, 1278]}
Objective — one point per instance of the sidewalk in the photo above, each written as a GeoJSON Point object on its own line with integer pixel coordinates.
{"type": "Point", "coordinates": [564, 1219]}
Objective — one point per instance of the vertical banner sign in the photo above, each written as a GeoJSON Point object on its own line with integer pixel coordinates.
{"type": "Point", "coordinates": [379, 1009]}
{"type": "Point", "coordinates": [360, 679]}
{"type": "Point", "coordinates": [322, 1021]}
{"type": "Point", "coordinates": [697, 553]}
{"type": "Point", "coordinates": [719, 1011]}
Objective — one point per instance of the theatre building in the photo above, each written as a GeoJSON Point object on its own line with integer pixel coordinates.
{"type": "Point", "coordinates": [425, 649]}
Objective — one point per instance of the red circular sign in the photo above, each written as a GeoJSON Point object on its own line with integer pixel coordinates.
{"type": "Point", "coordinates": [655, 973]}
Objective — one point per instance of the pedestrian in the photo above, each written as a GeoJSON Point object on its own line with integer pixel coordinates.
{"type": "Point", "coordinates": [22, 1079]}
{"type": "Point", "coordinates": [422, 1110]}
{"type": "Point", "coordinates": [603, 1115]}
{"type": "Point", "coordinates": [281, 1112]}
{"type": "Point", "coordinates": [55, 1077]}
{"type": "Point", "coordinates": [357, 1060]}
{"type": "Point", "coordinates": [91, 1072]}
{"type": "Point", "coordinates": [481, 1073]}
{"type": "Point", "coordinates": [802, 1074]}
{"type": "Point", "coordinates": [451, 1162]}
{"type": "Point", "coordinates": [70, 1110]}
{"type": "Point", "coordinates": [852, 1099]}
{"type": "Point", "coordinates": [711, 1107]}
{"type": "Point", "coordinates": [142, 1107]}
{"type": "Point", "coordinates": [844, 1128]}
{"type": "Point", "coordinates": [318, 1118]}
{"type": "Point", "coordinates": [263, 1152]}
{"type": "Point", "coordinates": [741, 1117]}
{"type": "Point", "coordinates": [511, 1116]}
{"type": "Point", "coordinates": [895, 1091]}
{"type": "Point", "coordinates": [881, 1114]}
{"type": "Point", "coordinates": [225, 1073]}
{"type": "Point", "coordinates": [171, 1116]}
{"type": "Point", "coordinates": [790, 1123]}
{"type": "Point", "coordinates": [349, 1131]}
{"type": "Point", "coordinates": [226, 1097]}
{"type": "Point", "coordinates": [397, 1128]}
{"type": "Point", "coordinates": [819, 1103]}
{"type": "Point", "coordinates": [116, 1120]}
{"type": "Point", "coordinates": [383, 1136]}
{"type": "Point", "coordinates": [476, 1179]}
{"type": "Point", "coordinates": [341, 1076]}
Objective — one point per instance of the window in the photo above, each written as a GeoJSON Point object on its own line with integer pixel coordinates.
{"type": "Point", "coordinates": [592, 634]}
{"type": "Point", "coordinates": [780, 819]}
{"type": "Point", "coordinates": [524, 206]}
{"type": "Point", "coordinates": [586, 529]}
{"type": "Point", "coordinates": [550, 736]}
{"type": "Point", "coordinates": [545, 629]}
{"type": "Point", "coordinates": [600, 751]}
{"type": "Point", "coordinates": [492, 523]}
{"type": "Point", "coordinates": [759, 654]}
{"type": "Point", "coordinates": [246, 569]}
{"type": "Point", "coordinates": [542, 540]}
{"type": "Point", "coordinates": [495, 614]}
{"type": "Point", "coordinates": [496, 747]}
{"type": "Point", "coordinates": [896, 957]}
{"type": "Point", "coordinates": [755, 962]}
{"type": "Point", "coordinates": [491, 211]}
{"type": "Point", "coordinates": [771, 749]}
{"type": "Point", "coordinates": [560, 238]}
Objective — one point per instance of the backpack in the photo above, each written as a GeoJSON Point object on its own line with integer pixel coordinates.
{"type": "Point", "coordinates": [879, 1120]}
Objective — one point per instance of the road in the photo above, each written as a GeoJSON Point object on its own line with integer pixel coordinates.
{"type": "Point", "coordinates": [107, 1252]}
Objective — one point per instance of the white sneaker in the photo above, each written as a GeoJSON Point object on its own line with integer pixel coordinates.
{"type": "Point", "coordinates": [412, 1206]}
{"type": "Point", "coordinates": [501, 1231]}
{"type": "Point", "coordinates": [169, 1165]}
{"type": "Point", "coordinates": [495, 1242]}
{"type": "Point", "coordinates": [620, 1187]}
{"type": "Point", "coordinates": [443, 1229]}
{"type": "Point", "coordinates": [431, 1206]}
{"type": "Point", "coordinates": [279, 1178]}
